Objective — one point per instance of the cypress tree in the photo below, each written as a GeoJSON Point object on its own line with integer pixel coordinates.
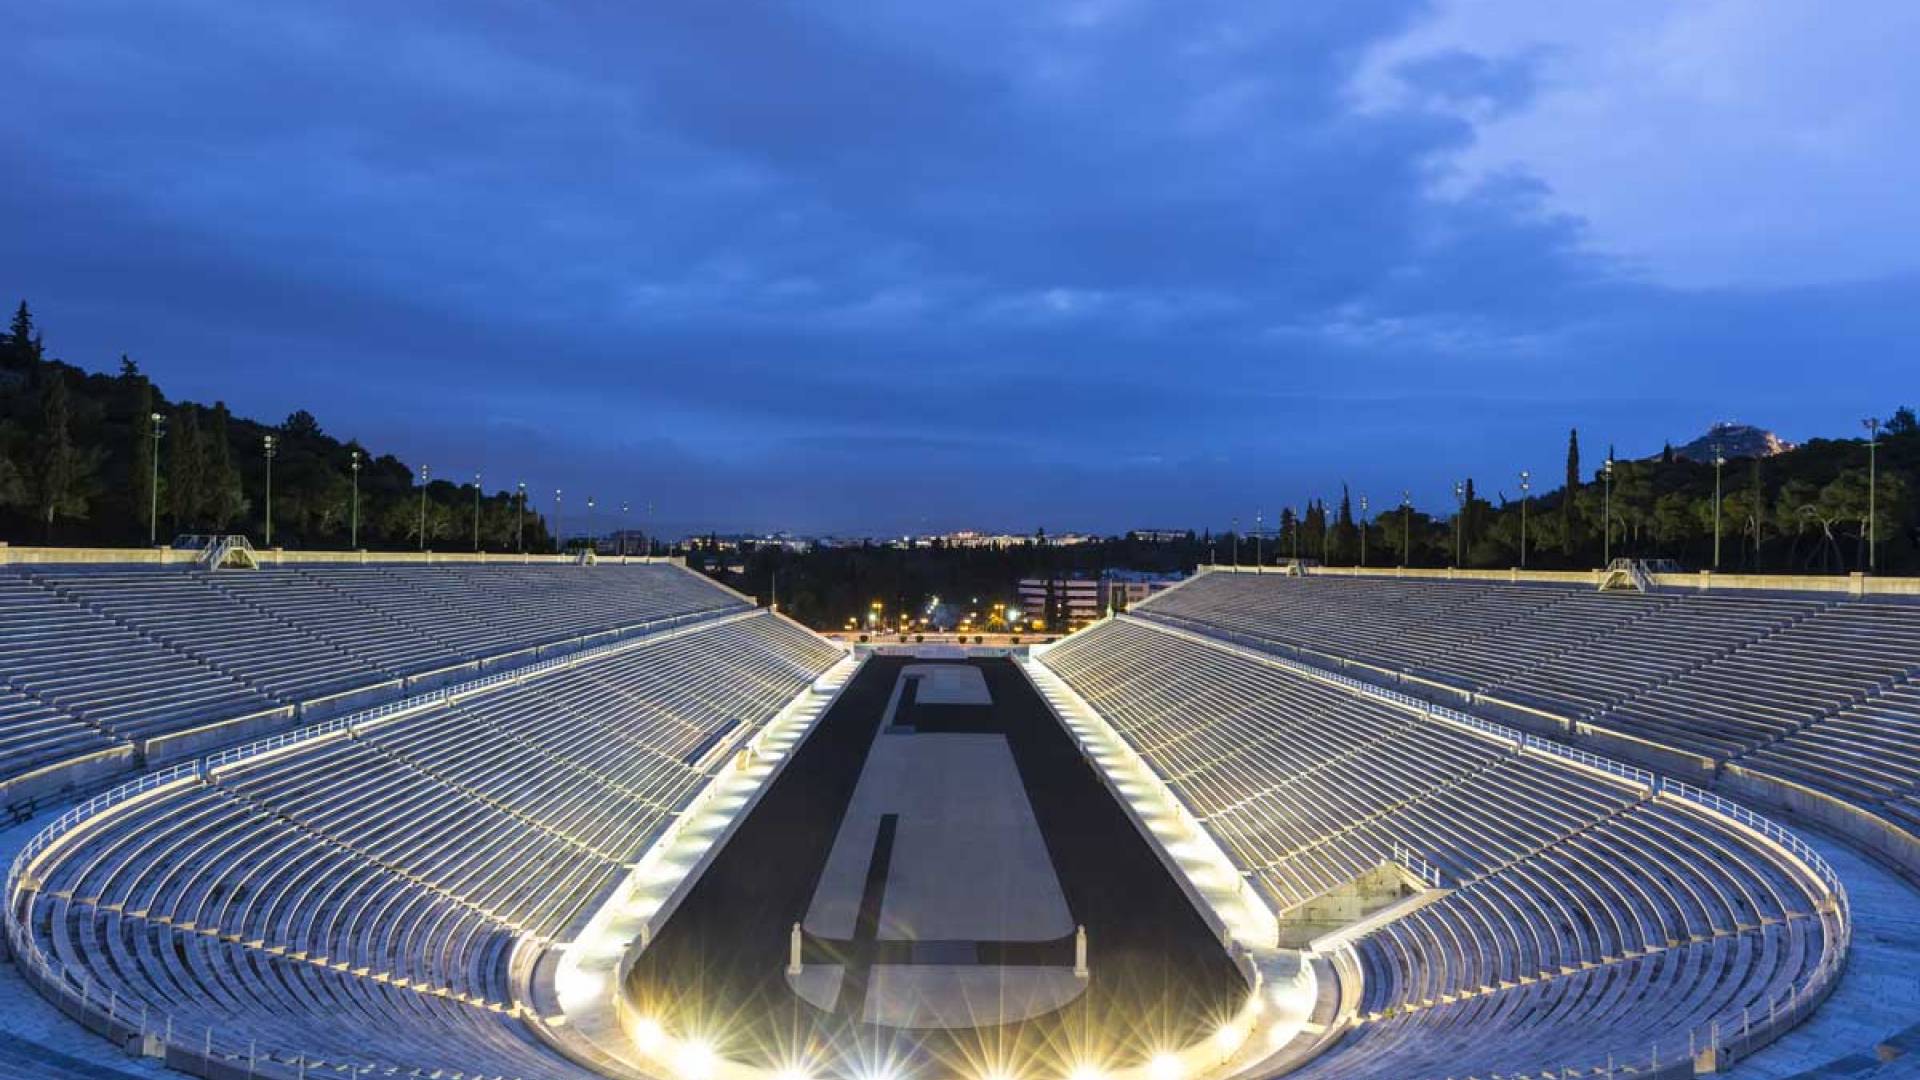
{"type": "Point", "coordinates": [1569, 511]}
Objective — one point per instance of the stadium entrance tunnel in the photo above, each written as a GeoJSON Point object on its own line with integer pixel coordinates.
{"type": "Point", "coordinates": [938, 884]}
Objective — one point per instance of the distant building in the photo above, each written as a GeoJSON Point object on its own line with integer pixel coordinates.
{"type": "Point", "coordinates": [1080, 599]}
{"type": "Point", "coordinates": [1161, 536]}
{"type": "Point", "coordinates": [1121, 589]}
{"type": "Point", "coordinates": [1075, 600]}
{"type": "Point", "coordinates": [1734, 441]}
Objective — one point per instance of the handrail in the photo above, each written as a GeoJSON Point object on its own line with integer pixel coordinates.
{"type": "Point", "coordinates": [1801, 996]}
{"type": "Point", "coordinates": [56, 977]}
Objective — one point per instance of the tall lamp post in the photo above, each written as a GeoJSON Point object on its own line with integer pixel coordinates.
{"type": "Point", "coordinates": [353, 513]}
{"type": "Point", "coordinates": [270, 444]}
{"type": "Point", "coordinates": [1606, 512]}
{"type": "Point", "coordinates": [1719, 461]}
{"type": "Point", "coordinates": [520, 519]}
{"type": "Point", "coordinates": [1236, 541]}
{"type": "Point", "coordinates": [424, 473]}
{"type": "Point", "coordinates": [1363, 530]}
{"type": "Point", "coordinates": [626, 526]}
{"type": "Point", "coordinates": [1406, 527]}
{"type": "Point", "coordinates": [1259, 526]}
{"type": "Point", "coordinates": [1459, 513]}
{"type": "Point", "coordinates": [476, 511]}
{"type": "Point", "coordinates": [591, 546]}
{"type": "Point", "coordinates": [1872, 424]}
{"type": "Point", "coordinates": [153, 486]}
{"type": "Point", "coordinates": [1526, 489]}
{"type": "Point", "coordinates": [559, 543]}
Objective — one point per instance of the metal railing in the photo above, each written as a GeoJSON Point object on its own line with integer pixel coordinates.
{"type": "Point", "coordinates": [57, 979]}
{"type": "Point", "coordinates": [1784, 1009]}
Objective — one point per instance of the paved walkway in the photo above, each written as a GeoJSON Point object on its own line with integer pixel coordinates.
{"type": "Point", "coordinates": [1878, 997]}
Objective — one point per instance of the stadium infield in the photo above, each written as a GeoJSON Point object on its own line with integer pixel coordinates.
{"type": "Point", "coordinates": [893, 807]}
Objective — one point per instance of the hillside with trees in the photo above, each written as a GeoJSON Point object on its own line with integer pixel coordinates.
{"type": "Point", "coordinates": [80, 465]}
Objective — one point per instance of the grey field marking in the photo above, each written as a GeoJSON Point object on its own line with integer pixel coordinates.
{"type": "Point", "coordinates": [949, 684]}
{"type": "Point", "coordinates": [970, 862]}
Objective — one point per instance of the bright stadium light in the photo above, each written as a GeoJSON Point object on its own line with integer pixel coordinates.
{"type": "Point", "coordinates": [1164, 1066]}
{"type": "Point", "coordinates": [648, 1034]}
{"type": "Point", "coordinates": [1085, 1071]}
{"type": "Point", "coordinates": [695, 1061]}
{"type": "Point", "coordinates": [793, 1072]}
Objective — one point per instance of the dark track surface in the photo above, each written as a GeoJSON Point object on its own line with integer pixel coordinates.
{"type": "Point", "coordinates": [717, 969]}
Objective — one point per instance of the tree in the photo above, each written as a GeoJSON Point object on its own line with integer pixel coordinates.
{"type": "Point", "coordinates": [140, 435]}
{"type": "Point", "coordinates": [300, 424]}
{"type": "Point", "coordinates": [186, 469]}
{"type": "Point", "coordinates": [1569, 507]}
{"type": "Point", "coordinates": [22, 346]}
{"type": "Point", "coordinates": [59, 473]}
{"type": "Point", "coordinates": [221, 498]}
{"type": "Point", "coordinates": [1902, 421]}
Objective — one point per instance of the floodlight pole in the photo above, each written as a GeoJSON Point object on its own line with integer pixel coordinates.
{"type": "Point", "coordinates": [353, 529]}
{"type": "Point", "coordinates": [153, 487]}
{"type": "Point", "coordinates": [1606, 513]}
{"type": "Point", "coordinates": [1406, 527]}
{"type": "Point", "coordinates": [476, 511]}
{"type": "Point", "coordinates": [1719, 460]}
{"type": "Point", "coordinates": [424, 473]}
{"type": "Point", "coordinates": [520, 519]}
{"type": "Point", "coordinates": [1363, 530]}
{"type": "Point", "coordinates": [1459, 514]}
{"type": "Point", "coordinates": [1236, 541]}
{"type": "Point", "coordinates": [1526, 488]}
{"type": "Point", "coordinates": [1259, 523]}
{"type": "Point", "coordinates": [269, 443]}
{"type": "Point", "coordinates": [1873, 490]}
{"type": "Point", "coordinates": [559, 545]}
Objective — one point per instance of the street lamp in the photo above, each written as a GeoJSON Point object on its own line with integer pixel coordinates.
{"type": "Point", "coordinates": [1459, 513]}
{"type": "Point", "coordinates": [626, 529]}
{"type": "Point", "coordinates": [1236, 541]}
{"type": "Point", "coordinates": [1259, 525]}
{"type": "Point", "coordinates": [591, 546]}
{"type": "Point", "coordinates": [1719, 460]}
{"type": "Point", "coordinates": [1606, 512]}
{"type": "Point", "coordinates": [476, 510]}
{"type": "Point", "coordinates": [153, 486]}
{"type": "Point", "coordinates": [1526, 486]}
{"type": "Point", "coordinates": [520, 519]}
{"type": "Point", "coordinates": [269, 444]}
{"type": "Point", "coordinates": [559, 545]}
{"type": "Point", "coordinates": [423, 507]}
{"type": "Point", "coordinates": [353, 513]}
{"type": "Point", "coordinates": [1872, 424]}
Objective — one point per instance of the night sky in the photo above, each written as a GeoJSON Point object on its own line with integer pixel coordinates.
{"type": "Point", "coordinates": [1004, 263]}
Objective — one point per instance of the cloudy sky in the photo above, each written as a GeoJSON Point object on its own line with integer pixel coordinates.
{"type": "Point", "coordinates": [868, 266]}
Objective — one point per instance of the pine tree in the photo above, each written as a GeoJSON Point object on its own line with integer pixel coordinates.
{"type": "Point", "coordinates": [1569, 510]}
{"type": "Point", "coordinates": [22, 345]}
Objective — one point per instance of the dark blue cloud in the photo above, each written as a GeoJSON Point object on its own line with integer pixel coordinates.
{"type": "Point", "coordinates": [837, 266]}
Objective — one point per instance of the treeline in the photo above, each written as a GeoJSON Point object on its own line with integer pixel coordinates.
{"type": "Point", "coordinates": [1802, 511]}
{"type": "Point", "coordinates": [84, 462]}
